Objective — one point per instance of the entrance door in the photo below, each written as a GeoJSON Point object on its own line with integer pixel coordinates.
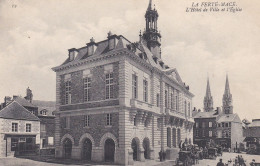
{"type": "Point", "coordinates": [67, 148]}
{"type": "Point", "coordinates": [87, 149]}
{"type": "Point", "coordinates": [146, 146]}
{"type": "Point", "coordinates": [135, 148]}
{"type": "Point", "coordinates": [109, 150]}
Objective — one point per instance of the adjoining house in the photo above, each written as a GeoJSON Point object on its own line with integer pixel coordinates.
{"type": "Point", "coordinates": [19, 131]}
{"type": "Point", "coordinates": [41, 109]}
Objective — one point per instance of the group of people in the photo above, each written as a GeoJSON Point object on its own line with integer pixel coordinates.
{"type": "Point", "coordinates": [238, 161]}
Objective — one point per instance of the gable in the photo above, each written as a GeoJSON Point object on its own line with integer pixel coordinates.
{"type": "Point", "coordinates": [16, 111]}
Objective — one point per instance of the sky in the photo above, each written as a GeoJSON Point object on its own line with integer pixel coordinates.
{"type": "Point", "coordinates": [36, 36]}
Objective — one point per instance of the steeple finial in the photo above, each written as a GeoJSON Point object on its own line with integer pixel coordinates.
{"type": "Point", "coordinates": [150, 5]}
{"type": "Point", "coordinates": [227, 90]}
{"type": "Point", "coordinates": [208, 92]}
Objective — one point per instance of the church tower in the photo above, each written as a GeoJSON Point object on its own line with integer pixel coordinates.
{"type": "Point", "coordinates": [151, 35]}
{"type": "Point", "coordinates": [227, 99]}
{"type": "Point", "coordinates": [208, 100]}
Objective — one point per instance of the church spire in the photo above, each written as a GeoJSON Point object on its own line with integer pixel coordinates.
{"type": "Point", "coordinates": [208, 100]}
{"type": "Point", "coordinates": [208, 92]}
{"type": "Point", "coordinates": [227, 90]}
{"type": "Point", "coordinates": [227, 99]}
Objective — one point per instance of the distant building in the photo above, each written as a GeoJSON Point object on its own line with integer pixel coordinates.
{"type": "Point", "coordinates": [252, 137]}
{"type": "Point", "coordinates": [19, 131]}
{"type": "Point", "coordinates": [221, 127]}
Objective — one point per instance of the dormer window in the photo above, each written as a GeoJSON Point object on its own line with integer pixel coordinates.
{"type": "Point", "coordinates": [112, 40]}
{"type": "Point", "coordinates": [91, 46]}
{"type": "Point", "coordinates": [43, 112]}
{"type": "Point", "coordinates": [72, 53]}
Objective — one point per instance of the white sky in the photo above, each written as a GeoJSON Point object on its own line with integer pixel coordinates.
{"type": "Point", "coordinates": [35, 36]}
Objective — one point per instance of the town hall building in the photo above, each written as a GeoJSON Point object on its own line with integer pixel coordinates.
{"type": "Point", "coordinates": [117, 101]}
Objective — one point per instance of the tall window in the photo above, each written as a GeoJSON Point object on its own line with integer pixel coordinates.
{"type": "Point", "coordinates": [109, 119]}
{"type": "Point", "coordinates": [197, 124]}
{"type": "Point", "coordinates": [168, 137]}
{"type": "Point", "coordinates": [42, 127]}
{"type": "Point", "coordinates": [145, 91]}
{"type": "Point", "coordinates": [189, 109]}
{"type": "Point", "coordinates": [86, 121]}
{"type": "Point", "coordinates": [210, 124]}
{"type": "Point", "coordinates": [14, 127]}
{"type": "Point", "coordinates": [176, 102]}
{"type": "Point", "coordinates": [157, 100]}
{"type": "Point", "coordinates": [135, 122]}
{"type": "Point", "coordinates": [203, 124]}
{"type": "Point", "coordinates": [134, 86]}
{"type": "Point", "coordinates": [166, 98]}
{"type": "Point", "coordinates": [171, 101]}
{"type": "Point", "coordinates": [210, 133]}
{"type": "Point", "coordinates": [67, 122]}
{"type": "Point", "coordinates": [197, 133]}
{"type": "Point", "coordinates": [185, 108]}
{"type": "Point", "coordinates": [68, 92]}
{"type": "Point", "coordinates": [87, 86]}
{"type": "Point", "coordinates": [229, 123]}
{"type": "Point", "coordinates": [109, 86]}
{"type": "Point", "coordinates": [203, 133]}
{"type": "Point", "coordinates": [28, 127]}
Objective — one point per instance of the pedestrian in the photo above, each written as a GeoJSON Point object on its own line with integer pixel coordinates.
{"type": "Point", "coordinates": [220, 163]}
{"type": "Point", "coordinates": [252, 163]}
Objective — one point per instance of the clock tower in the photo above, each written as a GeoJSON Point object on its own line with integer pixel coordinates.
{"type": "Point", "coordinates": [227, 99]}
{"type": "Point", "coordinates": [151, 35]}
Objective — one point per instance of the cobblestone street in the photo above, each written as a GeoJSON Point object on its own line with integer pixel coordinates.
{"type": "Point", "coordinates": [58, 162]}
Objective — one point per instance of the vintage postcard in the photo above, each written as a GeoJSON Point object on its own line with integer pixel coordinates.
{"type": "Point", "coordinates": [130, 82]}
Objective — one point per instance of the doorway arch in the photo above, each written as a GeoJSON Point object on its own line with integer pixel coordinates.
{"type": "Point", "coordinates": [135, 147]}
{"type": "Point", "coordinates": [67, 146]}
{"type": "Point", "coordinates": [86, 149]}
{"type": "Point", "coordinates": [146, 146]}
{"type": "Point", "coordinates": [109, 150]}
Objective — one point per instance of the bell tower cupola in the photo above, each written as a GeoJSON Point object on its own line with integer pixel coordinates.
{"type": "Point", "coordinates": [151, 35]}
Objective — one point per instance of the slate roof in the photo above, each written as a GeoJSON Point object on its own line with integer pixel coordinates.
{"type": "Point", "coordinates": [255, 123]}
{"type": "Point", "coordinates": [211, 114]}
{"type": "Point", "coordinates": [23, 102]}
{"type": "Point", "coordinates": [45, 105]}
{"type": "Point", "coordinates": [16, 111]}
{"type": "Point", "coordinates": [229, 118]}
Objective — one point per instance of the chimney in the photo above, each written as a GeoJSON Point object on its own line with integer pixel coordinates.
{"type": "Point", "coordinates": [7, 99]}
{"type": "Point", "coordinates": [112, 40]}
{"type": "Point", "coordinates": [29, 95]}
{"type": "Point", "coordinates": [72, 53]}
{"type": "Point", "coordinates": [91, 46]}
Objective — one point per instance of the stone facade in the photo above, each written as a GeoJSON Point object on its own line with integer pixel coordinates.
{"type": "Point", "coordinates": [136, 105]}
{"type": "Point", "coordinates": [6, 133]}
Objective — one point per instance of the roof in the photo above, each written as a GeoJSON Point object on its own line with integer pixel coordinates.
{"type": "Point", "coordinates": [16, 111]}
{"type": "Point", "coordinates": [49, 106]}
{"type": "Point", "coordinates": [139, 49]}
{"type": "Point", "coordinates": [229, 118]}
{"type": "Point", "coordinates": [255, 123]}
{"type": "Point", "coordinates": [23, 102]}
{"type": "Point", "coordinates": [210, 114]}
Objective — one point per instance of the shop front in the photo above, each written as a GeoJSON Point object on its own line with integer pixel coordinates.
{"type": "Point", "coordinates": [18, 145]}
